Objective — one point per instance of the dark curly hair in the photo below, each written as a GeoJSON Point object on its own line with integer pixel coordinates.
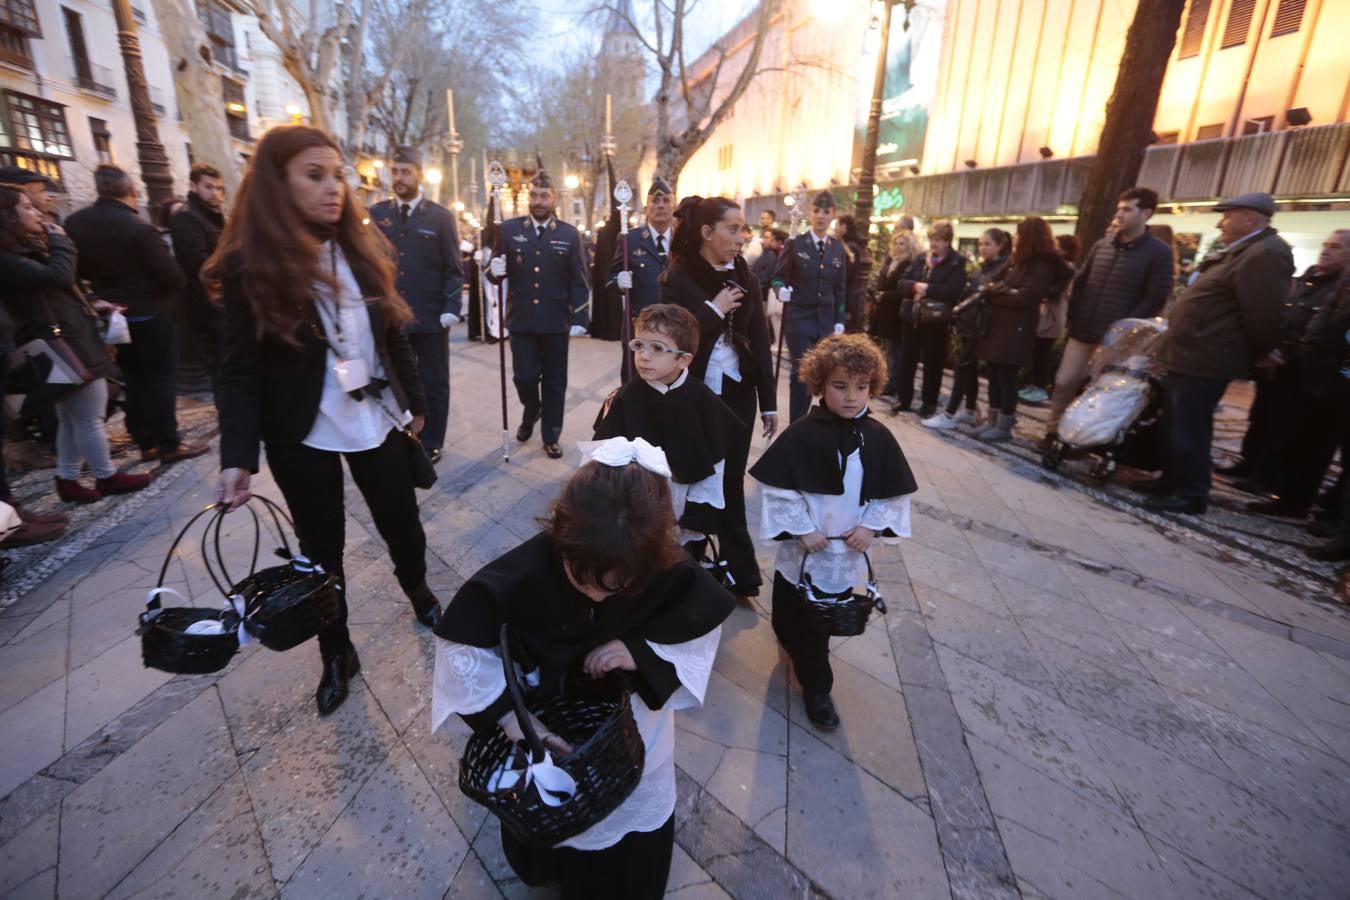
{"type": "Point", "coordinates": [614, 526]}
{"type": "Point", "coordinates": [854, 353]}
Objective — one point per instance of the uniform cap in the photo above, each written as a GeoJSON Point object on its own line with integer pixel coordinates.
{"type": "Point", "coordinates": [659, 186]}
{"type": "Point", "coordinates": [407, 155]}
{"type": "Point", "coordinates": [541, 180]}
{"type": "Point", "coordinates": [1257, 200]}
{"type": "Point", "coordinates": [824, 199]}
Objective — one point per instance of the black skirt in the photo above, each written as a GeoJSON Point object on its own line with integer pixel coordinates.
{"type": "Point", "coordinates": [636, 868]}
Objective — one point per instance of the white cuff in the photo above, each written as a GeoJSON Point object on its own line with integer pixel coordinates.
{"type": "Point", "coordinates": [713, 307]}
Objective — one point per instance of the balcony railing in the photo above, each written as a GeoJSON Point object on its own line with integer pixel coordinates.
{"type": "Point", "coordinates": [93, 78]}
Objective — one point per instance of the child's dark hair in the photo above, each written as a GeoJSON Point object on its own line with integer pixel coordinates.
{"type": "Point", "coordinates": [675, 322]}
{"type": "Point", "coordinates": [614, 526]}
{"type": "Point", "coordinates": [854, 353]}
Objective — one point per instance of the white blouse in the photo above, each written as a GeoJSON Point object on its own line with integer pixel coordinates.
{"type": "Point", "coordinates": [836, 568]}
{"type": "Point", "coordinates": [468, 679]}
{"type": "Point", "coordinates": [343, 424]}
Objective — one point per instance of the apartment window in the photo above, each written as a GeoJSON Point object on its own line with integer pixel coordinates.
{"type": "Point", "coordinates": [40, 164]}
{"type": "Point", "coordinates": [236, 110]}
{"type": "Point", "coordinates": [38, 125]}
{"type": "Point", "coordinates": [102, 140]}
{"type": "Point", "coordinates": [1259, 125]}
{"type": "Point", "coordinates": [1239, 23]}
{"type": "Point", "coordinates": [216, 19]}
{"type": "Point", "coordinates": [1194, 33]}
{"type": "Point", "coordinates": [1209, 132]}
{"type": "Point", "coordinates": [1288, 17]}
{"type": "Point", "coordinates": [21, 15]}
{"type": "Point", "coordinates": [724, 157]}
{"type": "Point", "coordinates": [14, 47]}
{"type": "Point", "coordinates": [1169, 137]}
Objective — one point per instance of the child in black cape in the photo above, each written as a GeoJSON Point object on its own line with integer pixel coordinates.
{"type": "Point", "coordinates": [603, 587]}
{"type": "Point", "coordinates": [679, 414]}
{"type": "Point", "coordinates": [834, 480]}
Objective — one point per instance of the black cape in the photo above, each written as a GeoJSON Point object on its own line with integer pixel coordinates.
{"type": "Point", "coordinates": [554, 626]}
{"type": "Point", "coordinates": [810, 456]}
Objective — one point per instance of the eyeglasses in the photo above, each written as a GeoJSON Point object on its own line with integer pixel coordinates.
{"type": "Point", "coordinates": [637, 345]}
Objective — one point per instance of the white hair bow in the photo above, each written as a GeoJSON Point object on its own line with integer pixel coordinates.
{"type": "Point", "coordinates": [620, 451]}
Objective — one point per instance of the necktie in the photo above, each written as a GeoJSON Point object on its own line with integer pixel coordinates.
{"type": "Point", "coordinates": [661, 245]}
{"type": "Point", "coordinates": [820, 248]}
{"type": "Point", "coordinates": [539, 231]}
{"type": "Point", "coordinates": [403, 211]}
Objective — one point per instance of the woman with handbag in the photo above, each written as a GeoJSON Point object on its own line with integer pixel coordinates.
{"type": "Point", "coordinates": [936, 282]}
{"type": "Point", "coordinates": [1036, 272]}
{"type": "Point", "coordinates": [37, 268]}
{"type": "Point", "coordinates": [603, 588]}
{"type": "Point", "coordinates": [971, 317]}
{"type": "Point", "coordinates": [708, 277]}
{"type": "Point", "coordinates": [892, 306]}
{"type": "Point", "coordinates": [318, 369]}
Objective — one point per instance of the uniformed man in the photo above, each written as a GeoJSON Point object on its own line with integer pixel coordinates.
{"type": "Point", "coordinates": [545, 267]}
{"type": "Point", "coordinates": [648, 251]}
{"type": "Point", "coordinates": [430, 278]}
{"type": "Point", "coordinates": [810, 280]}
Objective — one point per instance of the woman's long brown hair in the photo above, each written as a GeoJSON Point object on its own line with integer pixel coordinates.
{"type": "Point", "coordinates": [277, 251]}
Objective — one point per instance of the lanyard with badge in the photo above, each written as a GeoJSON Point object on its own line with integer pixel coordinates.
{"type": "Point", "coordinates": [352, 372]}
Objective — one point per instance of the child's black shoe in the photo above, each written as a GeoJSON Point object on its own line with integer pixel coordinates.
{"type": "Point", "coordinates": [820, 710]}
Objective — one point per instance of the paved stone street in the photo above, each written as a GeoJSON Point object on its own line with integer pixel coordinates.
{"type": "Point", "coordinates": [1067, 699]}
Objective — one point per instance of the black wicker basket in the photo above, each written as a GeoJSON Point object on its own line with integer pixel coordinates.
{"type": "Point", "coordinates": [711, 559]}
{"type": "Point", "coordinates": [841, 614]}
{"type": "Point", "coordinates": [606, 761]}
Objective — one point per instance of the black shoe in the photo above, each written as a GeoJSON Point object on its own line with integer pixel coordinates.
{"type": "Point", "coordinates": [820, 709]}
{"type": "Point", "coordinates": [1253, 486]}
{"type": "Point", "coordinates": [1335, 551]}
{"type": "Point", "coordinates": [1279, 508]}
{"type": "Point", "coordinates": [1239, 469]}
{"type": "Point", "coordinates": [927, 412]}
{"type": "Point", "coordinates": [337, 669]}
{"type": "Point", "coordinates": [553, 451]}
{"type": "Point", "coordinates": [1158, 487]}
{"type": "Point", "coordinates": [1326, 514]}
{"type": "Point", "coordinates": [434, 455]}
{"type": "Point", "coordinates": [526, 429]}
{"type": "Point", "coordinates": [1174, 504]}
{"type": "Point", "coordinates": [905, 408]}
{"type": "Point", "coordinates": [426, 606]}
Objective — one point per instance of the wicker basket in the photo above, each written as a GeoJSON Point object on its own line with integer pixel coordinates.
{"type": "Point", "coordinates": [287, 605]}
{"type": "Point", "coordinates": [842, 614]}
{"type": "Point", "coordinates": [710, 558]}
{"type": "Point", "coordinates": [606, 761]}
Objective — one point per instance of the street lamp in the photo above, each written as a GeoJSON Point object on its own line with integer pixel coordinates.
{"type": "Point", "coordinates": [434, 176]}
{"type": "Point", "coordinates": [867, 177]}
{"type": "Point", "coordinates": [295, 113]}
{"type": "Point", "coordinates": [571, 182]}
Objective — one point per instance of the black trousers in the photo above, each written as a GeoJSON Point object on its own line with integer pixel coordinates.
{"type": "Point", "coordinates": [734, 538]}
{"type": "Point", "coordinates": [539, 369]}
{"type": "Point", "coordinates": [206, 327]}
{"type": "Point", "coordinates": [147, 364]}
{"type": "Point", "coordinates": [926, 343]}
{"type": "Point", "coordinates": [965, 377]}
{"type": "Point", "coordinates": [1189, 426]}
{"type": "Point", "coordinates": [1271, 420]}
{"type": "Point", "coordinates": [311, 482]}
{"type": "Point", "coordinates": [1003, 387]}
{"type": "Point", "coordinates": [799, 398]}
{"type": "Point", "coordinates": [807, 645]}
{"type": "Point", "coordinates": [1320, 425]}
{"type": "Point", "coordinates": [636, 868]}
{"type": "Point", "coordinates": [433, 363]}
{"type": "Point", "coordinates": [1041, 375]}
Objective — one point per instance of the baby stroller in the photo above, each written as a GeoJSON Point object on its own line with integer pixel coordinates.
{"type": "Point", "coordinates": [1116, 418]}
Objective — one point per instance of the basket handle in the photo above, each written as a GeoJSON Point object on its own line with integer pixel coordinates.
{"type": "Point", "coordinates": [153, 601]}
{"type": "Point", "coordinates": [873, 589]}
{"type": "Point", "coordinates": [518, 698]}
{"type": "Point", "coordinates": [718, 562]}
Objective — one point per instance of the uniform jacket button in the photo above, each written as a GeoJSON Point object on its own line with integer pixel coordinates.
{"type": "Point", "coordinates": [536, 303]}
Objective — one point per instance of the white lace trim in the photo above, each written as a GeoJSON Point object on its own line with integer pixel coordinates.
{"type": "Point", "coordinates": [693, 662]}
{"type": "Point", "coordinates": [892, 513]}
{"type": "Point", "coordinates": [467, 679]}
{"type": "Point", "coordinates": [784, 511]}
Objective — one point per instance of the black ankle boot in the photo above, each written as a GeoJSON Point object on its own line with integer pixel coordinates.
{"type": "Point", "coordinates": [820, 709]}
{"type": "Point", "coordinates": [337, 669]}
{"type": "Point", "coordinates": [425, 604]}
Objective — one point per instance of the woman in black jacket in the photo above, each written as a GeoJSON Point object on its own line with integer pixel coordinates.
{"type": "Point", "coordinates": [37, 269]}
{"type": "Point", "coordinates": [892, 308]}
{"type": "Point", "coordinates": [936, 283]}
{"type": "Point", "coordinates": [1037, 272]}
{"type": "Point", "coordinates": [708, 276]}
{"type": "Point", "coordinates": [317, 367]}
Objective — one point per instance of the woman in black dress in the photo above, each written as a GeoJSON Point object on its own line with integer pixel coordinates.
{"type": "Point", "coordinates": [708, 277]}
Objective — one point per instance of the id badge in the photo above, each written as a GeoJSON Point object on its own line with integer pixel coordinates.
{"type": "Point", "coordinates": [352, 374]}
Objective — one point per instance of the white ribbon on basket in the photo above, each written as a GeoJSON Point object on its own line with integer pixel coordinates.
{"type": "Point", "coordinates": [204, 626]}
{"type": "Point", "coordinates": [620, 451]}
{"type": "Point", "coordinates": [555, 786]}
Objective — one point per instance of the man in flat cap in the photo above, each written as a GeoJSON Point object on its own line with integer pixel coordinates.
{"type": "Point", "coordinates": [430, 278]}
{"type": "Point", "coordinates": [1225, 321]}
{"type": "Point", "coordinates": [545, 267]}
{"type": "Point", "coordinates": [648, 252]}
{"type": "Point", "coordinates": [31, 183]}
{"type": "Point", "coordinates": [810, 279]}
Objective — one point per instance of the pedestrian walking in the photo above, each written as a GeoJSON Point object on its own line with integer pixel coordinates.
{"type": "Point", "coordinates": [811, 278]}
{"type": "Point", "coordinates": [1225, 321]}
{"type": "Point", "coordinates": [895, 302]}
{"type": "Point", "coordinates": [38, 263]}
{"type": "Point", "coordinates": [971, 322]}
{"type": "Point", "coordinates": [710, 279]}
{"type": "Point", "coordinates": [317, 373]}
{"type": "Point", "coordinates": [648, 252]}
{"type": "Point", "coordinates": [196, 230]}
{"type": "Point", "coordinates": [1126, 275]}
{"type": "Point", "coordinates": [127, 263]}
{"type": "Point", "coordinates": [430, 280]}
{"type": "Point", "coordinates": [833, 482]}
{"type": "Point", "coordinates": [936, 281]}
{"type": "Point", "coordinates": [543, 262]}
{"type": "Point", "coordinates": [603, 588]}
{"type": "Point", "coordinates": [1035, 273]}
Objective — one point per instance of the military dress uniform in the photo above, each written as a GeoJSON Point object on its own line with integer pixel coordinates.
{"type": "Point", "coordinates": [547, 294]}
{"type": "Point", "coordinates": [430, 279]}
{"type": "Point", "coordinates": [648, 252]}
{"type": "Point", "coordinates": [816, 269]}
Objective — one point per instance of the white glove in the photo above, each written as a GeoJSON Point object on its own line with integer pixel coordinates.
{"type": "Point", "coordinates": [484, 256]}
{"type": "Point", "coordinates": [448, 319]}
{"type": "Point", "coordinates": [498, 267]}
{"type": "Point", "coordinates": [838, 329]}
{"type": "Point", "coordinates": [785, 294]}
{"type": "Point", "coordinates": [624, 280]}
{"type": "Point", "coordinates": [577, 330]}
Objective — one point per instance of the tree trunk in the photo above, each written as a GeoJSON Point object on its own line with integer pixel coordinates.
{"type": "Point", "coordinates": [201, 102]}
{"type": "Point", "coordinates": [1129, 114]}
